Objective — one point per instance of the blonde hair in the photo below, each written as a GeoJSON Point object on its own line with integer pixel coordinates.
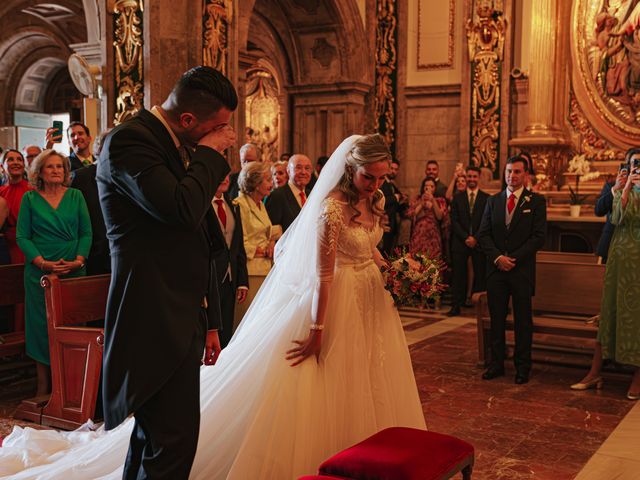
{"type": "Point", "coordinates": [366, 150]}
{"type": "Point", "coordinates": [40, 161]}
{"type": "Point", "coordinates": [251, 175]}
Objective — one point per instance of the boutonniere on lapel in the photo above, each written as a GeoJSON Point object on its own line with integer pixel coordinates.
{"type": "Point", "coordinates": [527, 198]}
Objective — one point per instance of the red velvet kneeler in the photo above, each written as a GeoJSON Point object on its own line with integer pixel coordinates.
{"type": "Point", "coordinates": [403, 454]}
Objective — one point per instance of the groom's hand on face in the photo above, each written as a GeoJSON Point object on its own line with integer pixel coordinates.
{"type": "Point", "coordinates": [219, 139]}
{"type": "Point", "coordinates": [212, 348]}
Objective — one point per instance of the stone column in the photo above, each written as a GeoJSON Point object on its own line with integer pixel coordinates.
{"type": "Point", "coordinates": [543, 135]}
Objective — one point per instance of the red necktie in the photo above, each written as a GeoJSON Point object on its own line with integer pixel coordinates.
{"type": "Point", "coordinates": [303, 198]}
{"type": "Point", "coordinates": [222, 215]}
{"type": "Point", "coordinates": [511, 204]}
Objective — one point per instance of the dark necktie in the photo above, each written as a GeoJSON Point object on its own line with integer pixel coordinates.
{"type": "Point", "coordinates": [222, 215]}
{"type": "Point", "coordinates": [472, 201]}
{"type": "Point", "coordinates": [185, 156]}
{"type": "Point", "coordinates": [511, 204]}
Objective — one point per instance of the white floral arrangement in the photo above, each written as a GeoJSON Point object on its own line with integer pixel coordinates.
{"type": "Point", "coordinates": [581, 167]}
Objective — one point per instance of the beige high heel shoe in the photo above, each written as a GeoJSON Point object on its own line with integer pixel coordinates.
{"type": "Point", "coordinates": [595, 383]}
{"type": "Point", "coordinates": [633, 396]}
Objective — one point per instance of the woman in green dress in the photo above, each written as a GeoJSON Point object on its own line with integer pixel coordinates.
{"type": "Point", "coordinates": [619, 330]}
{"type": "Point", "coordinates": [54, 233]}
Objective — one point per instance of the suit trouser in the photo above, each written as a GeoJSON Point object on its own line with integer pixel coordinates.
{"type": "Point", "coordinates": [501, 286]}
{"type": "Point", "coordinates": [165, 435]}
{"type": "Point", "coordinates": [460, 273]}
{"type": "Point", "coordinates": [227, 307]}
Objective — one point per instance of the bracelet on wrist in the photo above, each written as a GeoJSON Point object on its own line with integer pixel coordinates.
{"type": "Point", "coordinates": [316, 326]}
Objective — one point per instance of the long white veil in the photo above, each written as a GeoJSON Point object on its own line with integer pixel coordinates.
{"type": "Point", "coordinates": [296, 252]}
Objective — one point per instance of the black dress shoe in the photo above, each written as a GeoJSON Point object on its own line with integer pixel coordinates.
{"type": "Point", "coordinates": [493, 372]}
{"type": "Point", "coordinates": [454, 312]}
{"type": "Point", "coordinates": [522, 378]}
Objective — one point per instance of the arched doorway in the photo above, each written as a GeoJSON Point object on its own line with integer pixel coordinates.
{"type": "Point", "coordinates": [322, 56]}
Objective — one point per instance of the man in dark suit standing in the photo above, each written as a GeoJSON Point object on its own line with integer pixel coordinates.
{"type": "Point", "coordinates": [284, 203]}
{"type": "Point", "coordinates": [394, 203]}
{"type": "Point", "coordinates": [157, 175]}
{"type": "Point", "coordinates": [512, 231]}
{"type": "Point", "coordinates": [230, 261]}
{"type": "Point", "coordinates": [466, 215]}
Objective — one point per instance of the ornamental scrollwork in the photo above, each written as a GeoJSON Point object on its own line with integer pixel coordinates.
{"type": "Point", "coordinates": [127, 45]}
{"type": "Point", "coordinates": [386, 70]}
{"type": "Point", "coordinates": [485, 40]}
{"type": "Point", "coordinates": [216, 22]}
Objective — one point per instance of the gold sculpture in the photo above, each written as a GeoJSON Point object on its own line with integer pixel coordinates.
{"type": "Point", "coordinates": [386, 66]}
{"type": "Point", "coordinates": [128, 54]}
{"type": "Point", "coordinates": [605, 48]}
{"type": "Point", "coordinates": [217, 16]}
{"type": "Point", "coordinates": [485, 38]}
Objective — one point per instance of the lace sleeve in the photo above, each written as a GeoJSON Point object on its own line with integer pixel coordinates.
{"type": "Point", "coordinates": [329, 225]}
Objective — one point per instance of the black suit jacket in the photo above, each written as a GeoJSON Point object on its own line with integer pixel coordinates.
{"type": "Point", "coordinates": [463, 222]}
{"type": "Point", "coordinates": [233, 255]}
{"type": "Point", "coordinates": [282, 206]}
{"type": "Point", "coordinates": [99, 261]}
{"type": "Point", "coordinates": [391, 205]}
{"type": "Point", "coordinates": [159, 218]}
{"type": "Point", "coordinates": [234, 189]}
{"type": "Point", "coordinates": [524, 237]}
{"type": "Point", "coordinates": [76, 163]}
{"type": "Point", "coordinates": [604, 206]}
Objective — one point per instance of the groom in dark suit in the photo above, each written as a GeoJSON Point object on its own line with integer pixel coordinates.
{"type": "Point", "coordinates": [285, 202]}
{"type": "Point", "coordinates": [466, 215]}
{"type": "Point", "coordinates": [157, 175]}
{"type": "Point", "coordinates": [512, 231]}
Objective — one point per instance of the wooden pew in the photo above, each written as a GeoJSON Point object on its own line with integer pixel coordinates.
{"type": "Point", "coordinates": [568, 294]}
{"type": "Point", "coordinates": [76, 350]}
{"type": "Point", "coordinates": [12, 293]}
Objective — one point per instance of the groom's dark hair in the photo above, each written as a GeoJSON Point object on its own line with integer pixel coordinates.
{"type": "Point", "coordinates": [203, 91]}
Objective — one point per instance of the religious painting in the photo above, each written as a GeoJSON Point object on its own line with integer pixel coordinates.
{"type": "Point", "coordinates": [606, 66]}
{"type": "Point", "coordinates": [262, 112]}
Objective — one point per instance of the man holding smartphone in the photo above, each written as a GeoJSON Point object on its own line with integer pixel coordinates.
{"type": "Point", "coordinates": [79, 139]}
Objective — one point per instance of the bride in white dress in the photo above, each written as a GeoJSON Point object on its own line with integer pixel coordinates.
{"type": "Point", "coordinates": [324, 310]}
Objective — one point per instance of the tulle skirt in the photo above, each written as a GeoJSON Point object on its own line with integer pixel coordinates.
{"type": "Point", "coordinates": [261, 418]}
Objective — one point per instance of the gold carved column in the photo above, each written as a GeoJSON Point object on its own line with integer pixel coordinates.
{"type": "Point", "coordinates": [485, 40]}
{"type": "Point", "coordinates": [216, 22]}
{"type": "Point", "coordinates": [543, 137]}
{"type": "Point", "coordinates": [386, 70]}
{"type": "Point", "coordinates": [127, 44]}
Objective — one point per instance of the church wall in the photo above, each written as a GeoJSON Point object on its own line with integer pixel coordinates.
{"type": "Point", "coordinates": [430, 71]}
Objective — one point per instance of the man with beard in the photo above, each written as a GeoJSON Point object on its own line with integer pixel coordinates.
{"type": "Point", "coordinates": [466, 214]}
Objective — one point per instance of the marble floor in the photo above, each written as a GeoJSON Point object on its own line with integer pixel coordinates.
{"type": "Point", "coordinates": [542, 430]}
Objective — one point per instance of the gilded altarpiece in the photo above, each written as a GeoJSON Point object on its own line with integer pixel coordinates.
{"type": "Point", "coordinates": [605, 99]}
{"type": "Point", "coordinates": [386, 70]}
{"type": "Point", "coordinates": [262, 112]}
{"type": "Point", "coordinates": [485, 39]}
{"type": "Point", "coordinates": [216, 23]}
{"type": "Point", "coordinates": [128, 66]}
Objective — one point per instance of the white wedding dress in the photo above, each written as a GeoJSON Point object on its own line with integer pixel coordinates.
{"type": "Point", "coordinates": [261, 418]}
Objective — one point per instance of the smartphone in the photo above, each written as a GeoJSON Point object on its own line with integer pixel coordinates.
{"type": "Point", "coordinates": [624, 167]}
{"type": "Point", "coordinates": [635, 165]}
{"type": "Point", "coordinates": [57, 134]}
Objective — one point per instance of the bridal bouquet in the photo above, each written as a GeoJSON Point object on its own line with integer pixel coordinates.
{"type": "Point", "coordinates": [413, 279]}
